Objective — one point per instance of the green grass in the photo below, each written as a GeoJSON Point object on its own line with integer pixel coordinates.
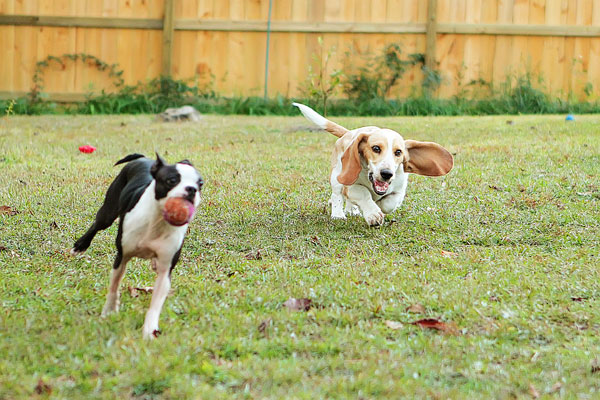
{"type": "Point", "coordinates": [520, 210]}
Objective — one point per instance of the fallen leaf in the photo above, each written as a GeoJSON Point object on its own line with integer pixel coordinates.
{"type": "Point", "coordinates": [394, 324]}
{"type": "Point", "coordinates": [43, 388]}
{"type": "Point", "coordinates": [595, 366]}
{"type": "Point", "coordinates": [253, 255]}
{"type": "Point", "coordinates": [494, 298]}
{"type": "Point", "coordinates": [7, 210]}
{"type": "Point", "coordinates": [495, 187]}
{"type": "Point", "coordinates": [433, 323]}
{"type": "Point", "coordinates": [53, 225]}
{"type": "Point", "coordinates": [2, 248]}
{"type": "Point", "coordinates": [262, 327]}
{"type": "Point", "coordinates": [298, 304]}
{"type": "Point", "coordinates": [134, 291]}
{"type": "Point", "coordinates": [533, 391]}
{"type": "Point", "coordinates": [556, 387]}
{"type": "Point", "coordinates": [579, 299]}
{"type": "Point", "coordinates": [416, 308]}
{"type": "Point", "coordinates": [449, 254]}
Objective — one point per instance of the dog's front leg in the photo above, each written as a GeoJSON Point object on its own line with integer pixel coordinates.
{"type": "Point", "coordinates": [390, 202]}
{"type": "Point", "coordinates": [361, 196]}
{"type": "Point", "coordinates": [161, 290]}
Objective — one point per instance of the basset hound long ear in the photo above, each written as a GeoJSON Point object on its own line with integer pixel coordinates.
{"type": "Point", "coordinates": [351, 161]}
{"type": "Point", "coordinates": [427, 158]}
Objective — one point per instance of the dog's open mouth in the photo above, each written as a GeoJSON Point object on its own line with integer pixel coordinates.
{"type": "Point", "coordinates": [379, 187]}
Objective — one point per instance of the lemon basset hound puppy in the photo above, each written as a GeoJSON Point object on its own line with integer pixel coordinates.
{"type": "Point", "coordinates": [370, 166]}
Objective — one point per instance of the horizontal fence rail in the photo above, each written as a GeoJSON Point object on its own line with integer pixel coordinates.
{"type": "Point", "coordinates": [308, 27]}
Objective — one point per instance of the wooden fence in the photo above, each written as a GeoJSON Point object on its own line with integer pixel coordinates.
{"type": "Point", "coordinates": [465, 40]}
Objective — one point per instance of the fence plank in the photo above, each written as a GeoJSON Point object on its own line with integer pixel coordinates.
{"type": "Point", "coordinates": [167, 38]}
{"type": "Point", "coordinates": [431, 32]}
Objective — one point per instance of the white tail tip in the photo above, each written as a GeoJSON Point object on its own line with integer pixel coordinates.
{"type": "Point", "coordinates": [312, 115]}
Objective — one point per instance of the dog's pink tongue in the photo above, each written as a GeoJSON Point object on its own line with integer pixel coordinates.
{"type": "Point", "coordinates": [381, 186]}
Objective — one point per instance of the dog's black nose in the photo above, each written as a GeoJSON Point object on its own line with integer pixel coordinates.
{"type": "Point", "coordinates": [386, 174]}
{"type": "Point", "coordinates": [191, 191]}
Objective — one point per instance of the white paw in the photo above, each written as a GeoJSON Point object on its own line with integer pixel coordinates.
{"type": "Point", "coordinates": [338, 215]}
{"type": "Point", "coordinates": [353, 211]}
{"type": "Point", "coordinates": [111, 306]}
{"type": "Point", "coordinates": [150, 333]}
{"type": "Point", "coordinates": [375, 218]}
{"type": "Point", "coordinates": [74, 252]}
{"type": "Point", "coordinates": [106, 311]}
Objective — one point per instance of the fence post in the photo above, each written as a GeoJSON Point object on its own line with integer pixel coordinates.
{"type": "Point", "coordinates": [167, 38]}
{"type": "Point", "coordinates": [431, 27]}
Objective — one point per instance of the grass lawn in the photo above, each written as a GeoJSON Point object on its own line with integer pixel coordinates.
{"type": "Point", "coordinates": [505, 247]}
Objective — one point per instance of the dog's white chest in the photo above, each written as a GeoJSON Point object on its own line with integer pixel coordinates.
{"type": "Point", "coordinates": [146, 234]}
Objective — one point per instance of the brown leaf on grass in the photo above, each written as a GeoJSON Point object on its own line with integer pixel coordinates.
{"type": "Point", "coordinates": [134, 291]}
{"type": "Point", "coordinates": [293, 304]}
{"type": "Point", "coordinates": [395, 325]}
{"type": "Point", "coordinates": [556, 387]}
{"type": "Point", "coordinates": [595, 366]}
{"type": "Point", "coordinates": [262, 327]}
{"type": "Point", "coordinates": [42, 387]}
{"type": "Point", "coordinates": [416, 308]}
{"type": "Point", "coordinates": [2, 248]}
{"type": "Point", "coordinates": [253, 255]}
{"type": "Point", "coordinates": [578, 299]}
{"type": "Point", "coordinates": [433, 323]}
{"type": "Point", "coordinates": [495, 187]}
{"type": "Point", "coordinates": [449, 254]}
{"type": "Point", "coordinates": [7, 210]}
{"type": "Point", "coordinates": [533, 391]}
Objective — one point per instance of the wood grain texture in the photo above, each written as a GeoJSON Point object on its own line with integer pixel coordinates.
{"type": "Point", "coordinates": [223, 42]}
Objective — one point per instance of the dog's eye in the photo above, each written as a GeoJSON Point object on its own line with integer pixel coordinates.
{"type": "Point", "coordinates": [398, 153]}
{"type": "Point", "coordinates": [172, 181]}
{"type": "Point", "coordinates": [376, 149]}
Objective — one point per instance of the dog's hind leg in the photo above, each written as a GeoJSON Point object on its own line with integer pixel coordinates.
{"type": "Point", "coordinates": [112, 297]}
{"type": "Point", "coordinates": [105, 216]}
{"type": "Point", "coordinates": [337, 199]}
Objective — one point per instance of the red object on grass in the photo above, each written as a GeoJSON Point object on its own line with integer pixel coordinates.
{"type": "Point", "coordinates": [87, 149]}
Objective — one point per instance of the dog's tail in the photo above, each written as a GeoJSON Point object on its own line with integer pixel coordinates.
{"type": "Point", "coordinates": [130, 157]}
{"type": "Point", "coordinates": [331, 127]}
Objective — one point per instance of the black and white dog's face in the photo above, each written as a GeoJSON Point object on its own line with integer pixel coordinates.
{"type": "Point", "coordinates": [176, 180]}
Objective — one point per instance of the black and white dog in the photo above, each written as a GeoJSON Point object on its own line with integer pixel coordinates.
{"type": "Point", "coordinates": [137, 196]}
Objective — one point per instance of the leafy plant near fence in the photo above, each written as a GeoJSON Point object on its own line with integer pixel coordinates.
{"type": "Point", "coordinates": [92, 61]}
{"type": "Point", "coordinates": [321, 84]}
{"type": "Point", "coordinates": [367, 88]}
{"type": "Point", "coordinates": [379, 74]}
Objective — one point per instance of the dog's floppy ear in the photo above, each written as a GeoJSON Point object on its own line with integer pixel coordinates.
{"type": "Point", "coordinates": [158, 164]}
{"type": "Point", "coordinates": [351, 162]}
{"type": "Point", "coordinates": [427, 158]}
